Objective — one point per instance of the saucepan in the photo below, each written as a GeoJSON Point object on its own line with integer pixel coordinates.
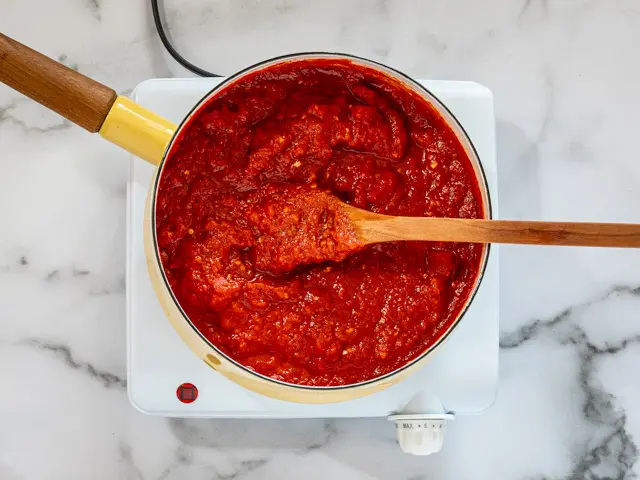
{"type": "Point", "coordinates": [98, 109]}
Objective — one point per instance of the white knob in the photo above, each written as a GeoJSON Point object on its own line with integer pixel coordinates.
{"type": "Point", "coordinates": [421, 434]}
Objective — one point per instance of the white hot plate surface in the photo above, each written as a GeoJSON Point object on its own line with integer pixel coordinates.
{"type": "Point", "coordinates": [461, 378]}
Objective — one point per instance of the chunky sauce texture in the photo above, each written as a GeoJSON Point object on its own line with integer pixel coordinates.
{"type": "Point", "coordinates": [242, 260]}
{"type": "Point", "coordinates": [299, 225]}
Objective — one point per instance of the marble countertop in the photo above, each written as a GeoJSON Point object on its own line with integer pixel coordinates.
{"type": "Point", "coordinates": [564, 75]}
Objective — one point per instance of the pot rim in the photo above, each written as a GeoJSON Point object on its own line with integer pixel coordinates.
{"type": "Point", "coordinates": [463, 138]}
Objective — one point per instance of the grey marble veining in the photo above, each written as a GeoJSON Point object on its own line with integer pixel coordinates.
{"type": "Point", "coordinates": [564, 76]}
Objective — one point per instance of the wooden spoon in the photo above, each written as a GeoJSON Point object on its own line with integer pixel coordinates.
{"type": "Point", "coordinates": [374, 228]}
{"type": "Point", "coordinates": [301, 227]}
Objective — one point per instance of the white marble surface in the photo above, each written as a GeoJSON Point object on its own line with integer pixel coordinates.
{"type": "Point", "coordinates": [564, 74]}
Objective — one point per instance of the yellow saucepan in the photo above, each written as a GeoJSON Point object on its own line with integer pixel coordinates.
{"type": "Point", "coordinates": [98, 109]}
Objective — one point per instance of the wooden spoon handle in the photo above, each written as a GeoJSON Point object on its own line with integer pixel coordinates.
{"type": "Point", "coordinates": [501, 231]}
{"type": "Point", "coordinates": [76, 97]}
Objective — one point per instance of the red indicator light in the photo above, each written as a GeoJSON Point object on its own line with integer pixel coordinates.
{"type": "Point", "coordinates": [187, 393]}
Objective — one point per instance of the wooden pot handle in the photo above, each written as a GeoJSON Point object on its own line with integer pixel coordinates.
{"type": "Point", "coordinates": [76, 97]}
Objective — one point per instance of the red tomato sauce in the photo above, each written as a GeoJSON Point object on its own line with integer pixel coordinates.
{"type": "Point", "coordinates": [300, 225]}
{"type": "Point", "coordinates": [279, 136]}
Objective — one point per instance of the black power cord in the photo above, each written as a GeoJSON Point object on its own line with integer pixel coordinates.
{"type": "Point", "coordinates": [172, 51]}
